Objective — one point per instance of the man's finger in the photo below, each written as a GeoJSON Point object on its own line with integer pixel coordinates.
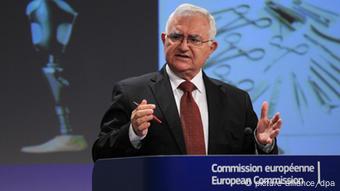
{"type": "Point", "coordinates": [274, 133]}
{"type": "Point", "coordinates": [143, 119]}
{"type": "Point", "coordinates": [143, 102]}
{"type": "Point", "coordinates": [276, 117]}
{"type": "Point", "coordinates": [144, 112]}
{"type": "Point", "coordinates": [264, 110]}
{"type": "Point", "coordinates": [133, 114]}
{"type": "Point", "coordinates": [277, 125]}
{"type": "Point", "coordinates": [146, 106]}
{"type": "Point", "coordinates": [143, 126]}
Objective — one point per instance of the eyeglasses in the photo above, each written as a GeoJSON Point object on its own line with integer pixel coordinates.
{"type": "Point", "coordinates": [191, 39]}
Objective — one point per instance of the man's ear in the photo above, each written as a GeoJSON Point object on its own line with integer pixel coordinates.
{"type": "Point", "coordinates": [163, 36]}
{"type": "Point", "coordinates": [213, 46]}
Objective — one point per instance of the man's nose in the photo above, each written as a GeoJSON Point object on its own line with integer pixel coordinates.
{"type": "Point", "coordinates": [184, 45]}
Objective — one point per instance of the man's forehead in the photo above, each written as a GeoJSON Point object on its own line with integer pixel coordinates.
{"type": "Point", "coordinates": [196, 24]}
{"type": "Point", "coordinates": [196, 17]}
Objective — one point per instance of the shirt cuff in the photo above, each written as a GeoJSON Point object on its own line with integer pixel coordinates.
{"type": "Point", "coordinates": [265, 148]}
{"type": "Point", "coordinates": [135, 140]}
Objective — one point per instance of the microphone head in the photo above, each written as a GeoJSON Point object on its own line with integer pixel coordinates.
{"type": "Point", "coordinates": [248, 131]}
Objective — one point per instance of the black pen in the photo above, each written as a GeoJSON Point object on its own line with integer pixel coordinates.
{"type": "Point", "coordinates": [154, 116]}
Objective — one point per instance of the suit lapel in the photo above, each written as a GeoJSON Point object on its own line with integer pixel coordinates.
{"type": "Point", "coordinates": [161, 88]}
{"type": "Point", "coordinates": [215, 102]}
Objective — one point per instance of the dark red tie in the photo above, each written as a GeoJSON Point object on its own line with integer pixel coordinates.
{"type": "Point", "coordinates": [191, 121]}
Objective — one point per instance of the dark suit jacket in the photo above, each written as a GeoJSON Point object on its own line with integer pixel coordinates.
{"type": "Point", "coordinates": [230, 112]}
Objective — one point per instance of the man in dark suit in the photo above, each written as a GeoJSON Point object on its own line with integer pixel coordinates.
{"type": "Point", "coordinates": [179, 110]}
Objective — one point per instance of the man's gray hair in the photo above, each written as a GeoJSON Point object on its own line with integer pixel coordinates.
{"type": "Point", "coordinates": [189, 9]}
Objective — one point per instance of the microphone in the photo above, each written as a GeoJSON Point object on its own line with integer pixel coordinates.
{"type": "Point", "coordinates": [249, 138]}
{"type": "Point", "coordinates": [248, 131]}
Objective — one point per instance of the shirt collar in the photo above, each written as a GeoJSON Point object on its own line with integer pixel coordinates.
{"type": "Point", "coordinates": [176, 81]}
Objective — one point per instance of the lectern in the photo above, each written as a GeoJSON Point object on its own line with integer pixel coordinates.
{"type": "Point", "coordinates": [191, 173]}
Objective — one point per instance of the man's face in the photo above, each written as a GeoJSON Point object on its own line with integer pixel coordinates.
{"type": "Point", "coordinates": [186, 59]}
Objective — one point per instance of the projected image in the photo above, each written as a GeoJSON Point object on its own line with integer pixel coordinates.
{"type": "Point", "coordinates": [51, 26]}
{"type": "Point", "coordinates": [59, 61]}
{"type": "Point", "coordinates": [285, 52]}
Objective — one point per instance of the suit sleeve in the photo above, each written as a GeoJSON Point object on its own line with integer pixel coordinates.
{"type": "Point", "coordinates": [113, 139]}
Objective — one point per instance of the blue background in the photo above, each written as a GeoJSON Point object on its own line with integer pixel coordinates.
{"type": "Point", "coordinates": [309, 127]}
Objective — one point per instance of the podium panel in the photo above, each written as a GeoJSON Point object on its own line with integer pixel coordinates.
{"type": "Point", "coordinates": [187, 173]}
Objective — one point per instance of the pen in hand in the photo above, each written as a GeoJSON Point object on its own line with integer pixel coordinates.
{"type": "Point", "coordinates": [154, 116]}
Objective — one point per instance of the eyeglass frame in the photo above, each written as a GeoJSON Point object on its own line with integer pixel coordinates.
{"type": "Point", "coordinates": [188, 38]}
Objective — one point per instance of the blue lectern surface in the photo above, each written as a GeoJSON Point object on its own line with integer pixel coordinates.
{"type": "Point", "coordinates": [187, 173]}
